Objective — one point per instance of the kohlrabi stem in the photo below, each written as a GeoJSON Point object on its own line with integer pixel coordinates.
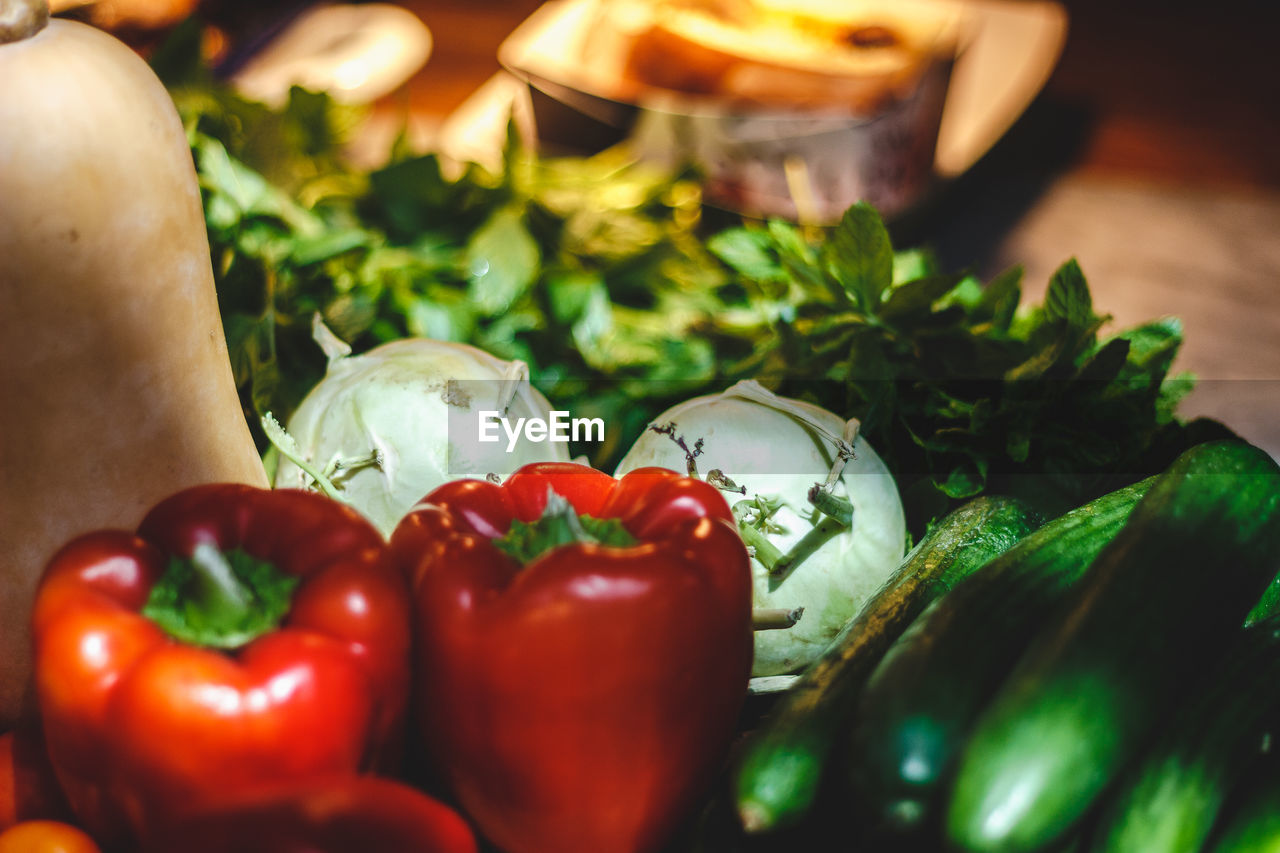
{"type": "Point", "coordinates": [775, 618]}
{"type": "Point", "coordinates": [761, 548]}
{"type": "Point", "coordinates": [289, 449]}
{"type": "Point", "coordinates": [815, 538]}
{"type": "Point", "coordinates": [833, 506]}
{"type": "Point", "coordinates": [690, 455]}
{"type": "Point", "coordinates": [348, 465]}
{"type": "Point", "coordinates": [21, 19]}
{"type": "Point", "coordinates": [215, 586]}
{"type": "Point", "coordinates": [822, 495]}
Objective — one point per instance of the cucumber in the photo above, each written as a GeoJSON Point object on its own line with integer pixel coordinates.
{"type": "Point", "coordinates": [1166, 595]}
{"type": "Point", "coordinates": [1169, 801]}
{"type": "Point", "coordinates": [922, 699]}
{"type": "Point", "coordinates": [783, 763]}
{"type": "Point", "coordinates": [1269, 605]}
{"type": "Point", "coordinates": [1253, 825]}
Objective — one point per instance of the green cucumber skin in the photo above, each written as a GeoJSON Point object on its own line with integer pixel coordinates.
{"type": "Point", "coordinates": [1170, 800]}
{"type": "Point", "coordinates": [922, 699]}
{"type": "Point", "coordinates": [1254, 824]}
{"type": "Point", "coordinates": [1268, 606]}
{"type": "Point", "coordinates": [1168, 593]}
{"type": "Point", "coordinates": [784, 763]}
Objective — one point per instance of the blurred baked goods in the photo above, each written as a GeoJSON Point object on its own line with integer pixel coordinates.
{"type": "Point", "coordinates": [127, 14]}
{"type": "Point", "coordinates": [854, 56]}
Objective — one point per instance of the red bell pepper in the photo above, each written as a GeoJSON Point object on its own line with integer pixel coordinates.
{"type": "Point", "coordinates": [345, 814]}
{"type": "Point", "coordinates": [580, 665]}
{"type": "Point", "coordinates": [46, 836]}
{"type": "Point", "coordinates": [28, 788]}
{"type": "Point", "coordinates": [242, 636]}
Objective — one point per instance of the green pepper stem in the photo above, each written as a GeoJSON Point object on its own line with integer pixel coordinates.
{"type": "Point", "coordinates": [219, 599]}
{"type": "Point", "coordinates": [560, 524]}
{"type": "Point", "coordinates": [215, 587]}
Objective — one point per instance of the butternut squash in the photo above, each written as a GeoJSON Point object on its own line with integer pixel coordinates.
{"type": "Point", "coordinates": [115, 384]}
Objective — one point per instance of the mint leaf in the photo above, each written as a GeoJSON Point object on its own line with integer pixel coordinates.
{"type": "Point", "coordinates": [914, 263]}
{"type": "Point", "coordinates": [1068, 296]}
{"type": "Point", "coordinates": [861, 256]}
{"type": "Point", "coordinates": [502, 261]}
{"type": "Point", "coordinates": [916, 297]}
{"type": "Point", "coordinates": [1152, 347]}
{"type": "Point", "coordinates": [964, 480]}
{"type": "Point", "coordinates": [1105, 364]}
{"type": "Point", "coordinates": [747, 251]}
{"type": "Point", "coordinates": [1000, 298]}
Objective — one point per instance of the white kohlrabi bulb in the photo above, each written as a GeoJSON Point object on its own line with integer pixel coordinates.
{"type": "Point", "coordinates": [402, 419]}
{"type": "Point", "coordinates": [776, 450]}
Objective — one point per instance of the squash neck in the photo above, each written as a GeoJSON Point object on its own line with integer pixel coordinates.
{"type": "Point", "coordinates": [21, 19]}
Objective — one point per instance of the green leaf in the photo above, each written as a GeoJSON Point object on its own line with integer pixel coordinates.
{"type": "Point", "coordinates": [916, 297]}
{"type": "Point", "coordinates": [328, 244]}
{"type": "Point", "coordinates": [502, 261]}
{"type": "Point", "coordinates": [177, 61]}
{"type": "Point", "coordinates": [747, 251]}
{"type": "Point", "coordinates": [964, 480]}
{"type": "Point", "coordinates": [251, 346]}
{"type": "Point", "coordinates": [443, 316]}
{"type": "Point", "coordinates": [799, 259]}
{"type": "Point", "coordinates": [861, 256]}
{"type": "Point", "coordinates": [314, 121]}
{"type": "Point", "coordinates": [1153, 347]}
{"type": "Point", "coordinates": [249, 193]}
{"type": "Point", "coordinates": [1018, 444]}
{"type": "Point", "coordinates": [1068, 296]}
{"type": "Point", "coordinates": [1105, 364]}
{"type": "Point", "coordinates": [1172, 392]}
{"type": "Point", "coordinates": [1000, 298]}
{"type": "Point", "coordinates": [569, 293]}
{"type": "Point", "coordinates": [914, 263]}
{"type": "Point", "coordinates": [593, 324]}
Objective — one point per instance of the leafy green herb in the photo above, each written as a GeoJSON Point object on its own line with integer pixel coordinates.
{"type": "Point", "coordinates": [597, 273]}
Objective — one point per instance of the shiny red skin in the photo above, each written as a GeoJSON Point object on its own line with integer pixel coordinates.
{"type": "Point", "coordinates": [344, 814]}
{"type": "Point", "coordinates": [29, 789]}
{"type": "Point", "coordinates": [46, 836]}
{"type": "Point", "coordinates": [581, 702]}
{"type": "Point", "coordinates": [141, 727]}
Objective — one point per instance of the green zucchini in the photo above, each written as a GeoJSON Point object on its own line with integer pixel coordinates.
{"type": "Point", "coordinates": [782, 765]}
{"type": "Point", "coordinates": [922, 699]}
{"type": "Point", "coordinates": [1167, 595]}
{"type": "Point", "coordinates": [1253, 825]}
{"type": "Point", "coordinates": [1169, 801]}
